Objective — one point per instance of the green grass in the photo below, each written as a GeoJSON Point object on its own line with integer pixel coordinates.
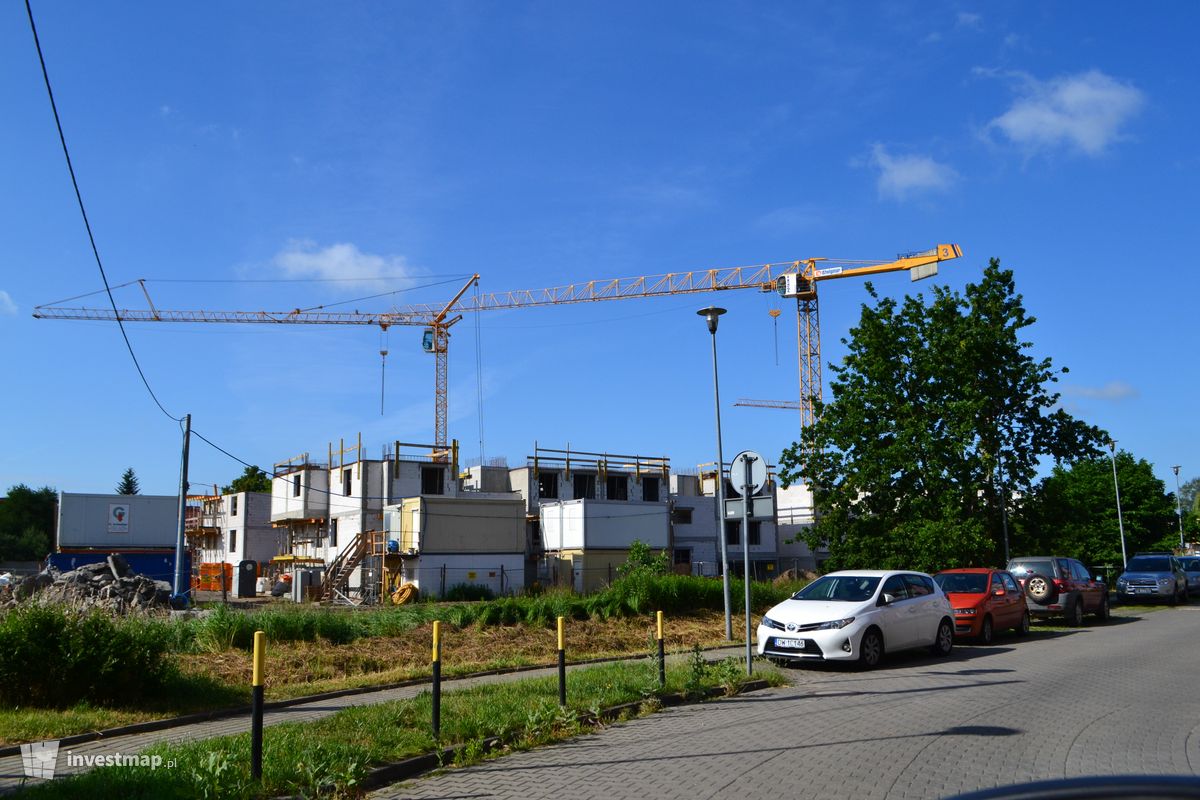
{"type": "Point", "coordinates": [633, 596]}
{"type": "Point", "coordinates": [338, 751]}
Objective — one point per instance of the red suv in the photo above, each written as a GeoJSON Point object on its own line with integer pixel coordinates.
{"type": "Point", "coordinates": [1057, 586]}
{"type": "Point", "coordinates": [984, 601]}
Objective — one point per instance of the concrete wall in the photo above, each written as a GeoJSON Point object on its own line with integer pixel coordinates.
{"type": "Point", "coordinates": [256, 539]}
{"type": "Point", "coordinates": [430, 524]}
{"type": "Point", "coordinates": [503, 573]}
{"type": "Point", "coordinates": [591, 524]}
{"type": "Point", "coordinates": [404, 478]}
{"type": "Point", "coordinates": [114, 521]}
{"type": "Point", "coordinates": [794, 510]}
{"type": "Point", "coordinates": [312, 501]}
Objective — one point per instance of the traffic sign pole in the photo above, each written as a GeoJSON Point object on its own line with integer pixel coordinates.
{"type": "Point", "coordinates": [747, 492]}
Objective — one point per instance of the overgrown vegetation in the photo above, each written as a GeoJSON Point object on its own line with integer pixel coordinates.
{"type": "Point", "coordinates": [636, 593]}
{"type": "Point", "coordinates": [336, 753]}
{"type": "Point", "coordinates": [53, 657]}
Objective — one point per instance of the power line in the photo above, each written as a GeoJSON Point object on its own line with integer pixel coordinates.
{"type": "Point", "coordinates": [83, 211]}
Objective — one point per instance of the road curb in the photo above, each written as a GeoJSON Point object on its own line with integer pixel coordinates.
{"type": "Point", "coordinates": [149, 726]}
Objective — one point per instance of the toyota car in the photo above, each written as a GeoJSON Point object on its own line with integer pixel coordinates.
{"type": "Point", "coordinates": [858, 615]}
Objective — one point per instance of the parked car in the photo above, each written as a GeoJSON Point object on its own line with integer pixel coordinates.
{"type": "Point", "coordinates": [858, 615]}
{"type": "Point", "coordinates": [1191, 567]}
{"type": "Point", "coordinates": [984, 601]}
{"type": "Point", "coordinates": [1153, 576]}
{"type": "Point", "coordinates": [1056, 586]}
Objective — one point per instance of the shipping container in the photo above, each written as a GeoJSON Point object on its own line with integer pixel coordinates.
{"type": "Point", "coordinates": [112, 522]}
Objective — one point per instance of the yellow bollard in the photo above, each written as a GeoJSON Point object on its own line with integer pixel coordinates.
{"type": "Point", "coordinates": [662, 662]}
{"type": "Point", "coordinates": [562, 666]}
{"type": "Point", "coordinates": [437, 680]}
{"type": "Point", "coordinates": [256, 690]}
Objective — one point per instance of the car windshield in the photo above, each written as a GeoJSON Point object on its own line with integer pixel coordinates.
{"type": "Point", "coordinates": [1024, 568]}
{"type": "Point", "coordinates": [1149, 564]}
{"type": "Point", "coordinates": [962, 582]}
{"type": "Point", "coordinates": [1190, 564]}
{"type": "Point", "coordinates": [848, 588]}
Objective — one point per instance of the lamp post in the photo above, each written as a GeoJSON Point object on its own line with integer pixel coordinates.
{"type": "Point", "coordinates": [1178, 507]}
{"type": "Point", "coordinates": [1112, 448]}
{"type": "Point", "coordinates": [711, 315]}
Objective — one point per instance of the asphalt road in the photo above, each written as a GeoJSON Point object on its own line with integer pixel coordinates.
{"type": "Point", "coordinates": [1120, 698]}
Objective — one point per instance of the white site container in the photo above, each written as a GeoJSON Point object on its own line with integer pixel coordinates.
{"type": "Point", "coordinates": [116, 521]}
{"type": "Point", "coordinates": [602, 525]}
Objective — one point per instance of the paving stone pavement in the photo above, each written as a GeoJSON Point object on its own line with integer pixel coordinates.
{"type": "Point", "coordinates": [1107, 700]}
{"type": "Point", "coordinates": [12, 773]}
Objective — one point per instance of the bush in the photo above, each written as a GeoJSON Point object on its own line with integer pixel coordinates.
{"type": "Point", "coordinates": [55, 657]}
{"type": "Point", "coordinates": [469, 591]}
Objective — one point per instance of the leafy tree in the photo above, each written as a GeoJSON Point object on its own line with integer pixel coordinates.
{"type": "Point", "coordinates": [252, 479]}
{"type": "Point", "coordinates": [1189, 500]}
{"type": "Point", "coordinates": [933, 405]}
{"type": "Point", "coordinates": [27, 519]}
{"type": "Point", "coordinates": [1073, 511]}
{"type": "Point", "coordinates": [129, 483]}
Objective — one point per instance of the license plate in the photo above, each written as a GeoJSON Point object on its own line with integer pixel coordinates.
{"type": "Point", "coordinates": [1144, 591]}
{"type": "Point", "coordinates": [793, 644]}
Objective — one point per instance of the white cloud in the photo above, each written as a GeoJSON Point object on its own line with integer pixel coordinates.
{"type": "Point", "coordinates": [1084, 111]}
{"type": "Point", "coordinates": [905, 175]}
{"type": "Point", "coordinates": [7, 307]}
{"type": "Point", "coordinates": [790, 219]}
{"type": "Point", "coordinates": [968, 20]}
{"type": "Point", "coordinates": [1113, 390]}
{"type": "Point", "coordinates": [343, 261]}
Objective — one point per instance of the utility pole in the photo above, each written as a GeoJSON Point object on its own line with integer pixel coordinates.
{"type": "Point", "coordinates": [1178, 507]}
{"type": "Point", "coordinates": [1112, 447]}
{"type": "Point", "coordinates": [179, 598]}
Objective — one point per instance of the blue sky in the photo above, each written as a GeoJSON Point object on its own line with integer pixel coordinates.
{"type": "Point", "coordinates": [230, 153]}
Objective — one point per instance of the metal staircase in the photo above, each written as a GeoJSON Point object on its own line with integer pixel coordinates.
{"type": "Point", "coordinates": [335, 588]}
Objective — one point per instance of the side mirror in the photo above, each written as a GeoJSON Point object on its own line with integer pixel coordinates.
{"type": "Point", "coordinates": [887, 599]}
{"type": "Point", "coordinates": [999, 593]}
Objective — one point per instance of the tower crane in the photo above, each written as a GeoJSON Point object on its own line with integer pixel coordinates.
{"type": "Point", "coordinates": [792, 279]}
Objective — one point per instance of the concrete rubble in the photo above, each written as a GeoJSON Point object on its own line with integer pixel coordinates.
{"type": "Point", "coordinates": [109, 585]}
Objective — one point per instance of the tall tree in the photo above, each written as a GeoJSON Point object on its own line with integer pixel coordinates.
{"type": "Point", "coordinates": [934, 407]}
{"type": "Point", "coordinates": [129, 483]}
{"type": "Point", "coordinates": [252, 479]}
{"type": "Point", "coordinates": [1073, 511]}
{"type": "Point", "coordinates": [27, 519]}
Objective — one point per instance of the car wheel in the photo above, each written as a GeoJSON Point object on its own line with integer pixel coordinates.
{"type": "Point", "coordinates": [944, 642]}
{"type": "Point", "coordinates": [1074, 614]}
{"type": "Point", "coordinates": [870, 649]}
{"type": "Point", "coordinates": [1023, 628]}
{"type": "Point", "coordinates": [985, 631]}
{"type": "Point", "coordinates": [1039, 588]}
{"type": "Point", "coordinates": [1103, 613]}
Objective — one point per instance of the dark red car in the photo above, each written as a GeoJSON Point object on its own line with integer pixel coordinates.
{"type": "Point", "coordinates": [984, 601]}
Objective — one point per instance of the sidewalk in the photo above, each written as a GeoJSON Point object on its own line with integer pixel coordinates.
{"type": "Point", "coordinates": [12, 774]}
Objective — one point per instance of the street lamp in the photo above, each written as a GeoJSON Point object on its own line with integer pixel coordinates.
{"type": "Point", "coordinates": [711, 315]}
{"type": "Point", "coordinates": [1178, 508]}
{"type": "Point", "coordinates": [1112, 448]}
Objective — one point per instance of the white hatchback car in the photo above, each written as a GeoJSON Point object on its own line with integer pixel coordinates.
{"type": "Point", "coordinates": [858, 615]}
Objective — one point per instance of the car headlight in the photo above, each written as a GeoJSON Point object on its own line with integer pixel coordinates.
{"type": "Point", "coordinates": [1122, 582]}
{"type": "Point", "coordinates": [770, 623]}
{"type": "Point", "coordinates": [965, 612]}
{"type": "Point", "coordinates": [1165, 581]}
{"type": "Point", "coordinates": [835, 625]}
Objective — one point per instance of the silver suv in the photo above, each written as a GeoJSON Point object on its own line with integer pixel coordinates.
{"type": "Point", "coordinates": [1153, 576]}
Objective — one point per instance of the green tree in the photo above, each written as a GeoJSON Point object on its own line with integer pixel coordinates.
{"type": "Point", "coordinates": [1073, 511]}
{"type": "Point", "coordinates": [27, 519]}
{"type": "Point", "coordinates": [252, 479]}
{"type": "Point", "coordinates": [932, 407]}
{"type": "Point", "coordinates": [129, 483]}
